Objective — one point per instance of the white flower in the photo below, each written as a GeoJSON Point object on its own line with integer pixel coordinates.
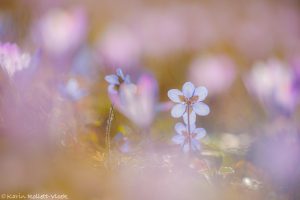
{"type": "Point", "coordinates": [189, 100]}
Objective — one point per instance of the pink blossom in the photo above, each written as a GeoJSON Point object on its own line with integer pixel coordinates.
{"type": "Point", "coordinates": [217, 73]}
{"type": "Point", "coordinates": [59, 31]}
{"type": "Point", "coordinates": [12, 59]}
{"type": "Point", "coordinates": [271, 83]}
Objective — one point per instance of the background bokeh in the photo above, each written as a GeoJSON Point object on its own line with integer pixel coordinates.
{"type": "Point", "coordinates": [55, 105]}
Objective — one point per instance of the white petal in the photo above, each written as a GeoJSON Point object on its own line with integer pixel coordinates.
{"type": "Point", "coordinates": [179, 128]}
{"type": "Point", "coordinates": [201, 92]}
{"type": "Point", "coordinates": [201, 108]}
{"type": "Point", "coordinates": [200, 133]}
{"type": "Point", "coordinates": [192, 118]}
{"type": "Point", "coordinates": [178, 139]}
{"type": "Point", "coordinates": [188, 89]}
{"type": "Point", "coordinates": [178, 110]}
{"type": "Point", "coordinates": [174, 95]}
{"type": "Point", "coordinates": [112, 79]}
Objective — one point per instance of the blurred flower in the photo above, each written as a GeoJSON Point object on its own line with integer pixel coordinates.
{"type": "Point", "coordinates": [115, 81]}
{"type": "Point", "coordinates": [272, 83]}
{"type": "Point", "coordinates": [182, 136]}
{"type": "Point", "coordinates": [123, 143]}
{"type": "Point", "coordinates": [161, 32]}
{"type": "Point", "coordinates": [72, 90]}
{"type": "Point", "coordinates": [189, 97]}
{"type": "Point", "coordinates": [217, 73]}
{"type": "Point", "coordinates": [119, 47]}
{"type": "Point", "coordinates": [137, 101]}
{"type": "Point", "coordinates": [12, 60]}
{"type": "Point", "coordinates": [59, 31]}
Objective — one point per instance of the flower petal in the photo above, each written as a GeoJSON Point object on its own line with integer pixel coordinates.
{"type": "Point", "coordinates": [120, 73]}
{"type": "Point", "coordinates": [112, 79]}
{"type": "Point", "coordinates": [200, 133]}
{"type": "Point", "coordinates": [192, 118]}
{"type": "Point", "coordinates": [201, 108]}
{"type": "Point", "coordinates": [178, 139]}
{"type": "Point", "coordinates": [174, 95]}
{"type": "Point", "coordinates": [195, 145]}
{"type": "Point", "coordinates": [112, 89]}
{"type": "Point", "coordinates": [186, 148]}
{"type": "Point", "coordinates": [180, 128]}
{"type": "Point", "coordinates": [188, 89]}
{"type": "Point", "coordinates": [127, 79]}
{"type": "Point", "coordinates": [178, 110]}
{"type": "Point", "coordinates": [201, 92]}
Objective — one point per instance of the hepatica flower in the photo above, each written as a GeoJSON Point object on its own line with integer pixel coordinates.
{"type": "Point", "coordinates": [138, 102]}
{"type": "Point", "coordinates": [189, 101]}
{"type": "Point", "coordinates": [116, 80]}
{"type": "Point", "coordinates": [188, 137]}
{"type": "Point", "coordinates": [12, 59]}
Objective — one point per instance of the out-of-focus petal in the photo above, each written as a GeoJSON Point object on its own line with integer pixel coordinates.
{"type": "Point", "coordinates": [112, 79]}
{"type": "Point", "coordinates": [188, 89]}
{"type": "Point", "coordinates": [112, 89]}
{"type": "Point", "coordinates": [120, 73]}
{"type": "Point", "coordinates": [178, 139]}
{"type": "Point", "coordinates": [195, 145]}
{"type": "Point", "coordinates": [201, 92]}
{"type": "Point", "coordinates": [178, 110]}
{"type": "Point", "coordinates": [127, 79]}
{"type": "Point", "coordinates": [201, 108]}
{"type": "Point", "coordinates": [174, 95]}
{"type": "Point", "coordinates": [186, 148]}
{"type": "Point", "coordinates": [192, 118]}
{"type": "Point", "coordinates": [180, 128]}
{"type": "Point", "coordinates": [200, 133]}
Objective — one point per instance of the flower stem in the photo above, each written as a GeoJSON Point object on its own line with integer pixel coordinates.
{"type": "Point", "coordinates": [189, 128]}
{"type": "Point", "coordinates": [107, 133]}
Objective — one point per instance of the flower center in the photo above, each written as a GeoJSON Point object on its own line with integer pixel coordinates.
{"type": "Point", "coordinates": [191, 100]}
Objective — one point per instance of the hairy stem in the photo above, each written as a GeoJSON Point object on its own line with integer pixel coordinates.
{"type": "Point", "coordinates": [107, 132]}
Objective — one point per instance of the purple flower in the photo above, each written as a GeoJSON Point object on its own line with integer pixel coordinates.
{"type": "Point", "coordinates": [182, 137]}
{"type": "Point", "coordinates": [217, 73]}
{"type": "Point", "coordinates": [138, 102]}
{"type": "Point", "coordinates": [116, 80]}
{"type": "Point", "coordinates": [12, 60]}
{"type": "Point", "coordinates": [189, 100]}
{"type": "Point", "coordinates": [271, 83]}
{"type": "Point", "coordinates": [72, 90]}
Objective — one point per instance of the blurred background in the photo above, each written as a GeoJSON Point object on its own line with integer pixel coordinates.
{"type": "Point", "coordinates": [59, 133]}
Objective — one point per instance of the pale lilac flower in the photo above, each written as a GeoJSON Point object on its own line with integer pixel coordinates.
{"type": "Point", "coordinates": [182, 137]}
{"type": "Point", "coordinates": [12, 59]}
{"type": "Point", "coordinates": [119, 46]}
{"type": "Point", "coordinates": [116, 80]}
{"type": "Point", "coordinates": [217, 73]}
{"type": "Point", "coordinates": [189, 100]}
{"type": "Point", "coordinates": [59, 31]}
{"type": "Point", "coordinates": [138, 102]}
{"type": "Point", "coordinates": [271, 83]}
{"type": "Point", "coordinates": [72, 90]}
